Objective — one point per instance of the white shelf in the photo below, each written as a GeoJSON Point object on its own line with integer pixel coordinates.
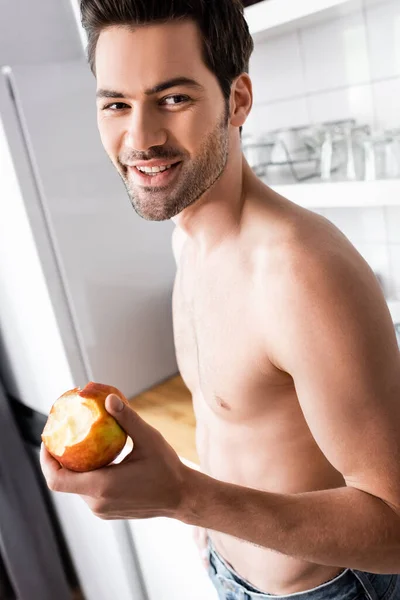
{"type": "Point", "coordinates": [272, 15]}
{"type": "Point", "coordinates": [343, 194]}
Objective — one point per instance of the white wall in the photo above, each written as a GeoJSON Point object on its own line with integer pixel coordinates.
{"type": "Point", "coordinates": [375, 232]}
{"type": "Point", "coordinates": [340, 68]}
{"type": "Point", "coordinates": [336, 69]}
{"type": "Point", "coordinates": [37, 32]}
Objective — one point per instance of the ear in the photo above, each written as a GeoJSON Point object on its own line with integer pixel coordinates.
{"type": "Point", "coordinates": [241, 100]}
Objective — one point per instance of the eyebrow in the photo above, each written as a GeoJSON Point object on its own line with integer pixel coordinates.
{"type": "Point", "coordinates": [160, 87]}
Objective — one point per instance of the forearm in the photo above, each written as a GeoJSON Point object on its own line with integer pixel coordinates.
{"type": "Point", "coordinates": [342, 527]}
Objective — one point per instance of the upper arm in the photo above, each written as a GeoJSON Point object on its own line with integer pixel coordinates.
{"type": "Point", "coordinates": [332, 332]}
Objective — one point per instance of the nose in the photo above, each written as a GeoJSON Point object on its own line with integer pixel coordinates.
{"type": "Point", "coordinates": [144, 130]}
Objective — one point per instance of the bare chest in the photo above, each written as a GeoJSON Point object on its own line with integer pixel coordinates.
{"type": "Point", "coordinates": [219, 344]}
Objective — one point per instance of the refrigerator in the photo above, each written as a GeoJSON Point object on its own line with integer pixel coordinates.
{"type": "Point", "coordinates": [85, 285]}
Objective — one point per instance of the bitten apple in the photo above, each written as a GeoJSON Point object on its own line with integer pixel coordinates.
{"type": "Point", "coordinates": [80, 433]}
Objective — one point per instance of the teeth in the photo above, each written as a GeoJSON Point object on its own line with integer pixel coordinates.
{"type": "Point", "coordinates": [153, 169]}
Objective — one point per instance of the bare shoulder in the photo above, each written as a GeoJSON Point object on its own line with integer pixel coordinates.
{"type": "Point", "coordinates": [286, 236]}
{"type": "Point", "coordinates": [314, 249]}
{"type": "Point", "coordinates": [312, 280]}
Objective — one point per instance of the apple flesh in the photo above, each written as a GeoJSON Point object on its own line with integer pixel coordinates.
{"type": "Point", "coordinates": [79, 431]}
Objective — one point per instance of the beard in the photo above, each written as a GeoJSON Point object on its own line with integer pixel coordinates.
{"type": "Point", "coordinates": [195, 178]}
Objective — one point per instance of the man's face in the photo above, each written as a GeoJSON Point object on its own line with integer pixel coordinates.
{"type": "Point", "coordinates": [159, 107]}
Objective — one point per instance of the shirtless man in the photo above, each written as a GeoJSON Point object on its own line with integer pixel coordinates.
{"type": "Point", "coordinates": [282, 332]}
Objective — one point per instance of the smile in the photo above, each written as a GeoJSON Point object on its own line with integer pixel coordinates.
{"type": "Point", "coordinates": [158, 176]}
{"type": "Point", "coordinates": [153, 170]}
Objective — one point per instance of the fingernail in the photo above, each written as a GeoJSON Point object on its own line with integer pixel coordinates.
{"type": "Point", "coordinates": [116, 403]}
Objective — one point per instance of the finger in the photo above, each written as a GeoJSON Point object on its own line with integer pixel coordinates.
{"type": "Point", "coordinates": [49, 465]}
{"type": "Point", "coordinates": [60, 479]}
{"type": "Point", "coordinates": [140, 431]}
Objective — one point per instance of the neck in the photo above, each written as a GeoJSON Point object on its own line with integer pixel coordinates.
{"type": "Point", "coordinates": [217, 214]}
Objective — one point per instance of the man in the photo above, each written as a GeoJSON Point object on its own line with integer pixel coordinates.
{"type": "Point", "coordinates": [282, 332]}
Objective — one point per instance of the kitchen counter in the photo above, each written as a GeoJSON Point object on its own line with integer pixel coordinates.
{"type": "Point", "coordinates": [168, 408]}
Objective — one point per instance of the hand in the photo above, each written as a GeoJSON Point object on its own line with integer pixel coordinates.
{"type": "Point", "coordinates": [149, 482]}
{"type": "Point", "coordinates": [200, 536]}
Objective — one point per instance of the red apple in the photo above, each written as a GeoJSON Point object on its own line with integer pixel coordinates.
{"type": "Point", "coordinates": [80, 433]}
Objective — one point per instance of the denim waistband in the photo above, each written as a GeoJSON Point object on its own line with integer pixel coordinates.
{"type": "Point", "coordinates": [351, 583]}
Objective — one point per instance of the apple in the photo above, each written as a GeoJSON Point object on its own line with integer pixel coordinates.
{"type": "Point", "coordinates": [79, 431]}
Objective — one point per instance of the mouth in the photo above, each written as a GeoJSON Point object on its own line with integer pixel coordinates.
{"type": "Point", "coordinates": [159, 176]}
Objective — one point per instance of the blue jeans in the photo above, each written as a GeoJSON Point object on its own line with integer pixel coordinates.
{"type": "Point", "coordinates": [348, 585]}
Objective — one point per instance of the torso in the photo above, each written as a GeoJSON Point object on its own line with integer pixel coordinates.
{"type": "Point", "coordinates": [250, 427]}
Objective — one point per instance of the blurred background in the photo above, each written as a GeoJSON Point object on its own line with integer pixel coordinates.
{"type": "Point", "coordinates": [85, 284]}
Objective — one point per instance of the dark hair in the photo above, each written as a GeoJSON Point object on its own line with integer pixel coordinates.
{"type": "Point", "coordinates": [227, 43]}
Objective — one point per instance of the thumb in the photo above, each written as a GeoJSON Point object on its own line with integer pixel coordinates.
{"type": "Point", "coordinates": [128, 419]}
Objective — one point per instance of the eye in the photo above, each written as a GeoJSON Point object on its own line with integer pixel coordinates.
{"type": "Point", "coordinates": [120, 105]}
{"type": "Point", "coordinates": [175, 100]}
